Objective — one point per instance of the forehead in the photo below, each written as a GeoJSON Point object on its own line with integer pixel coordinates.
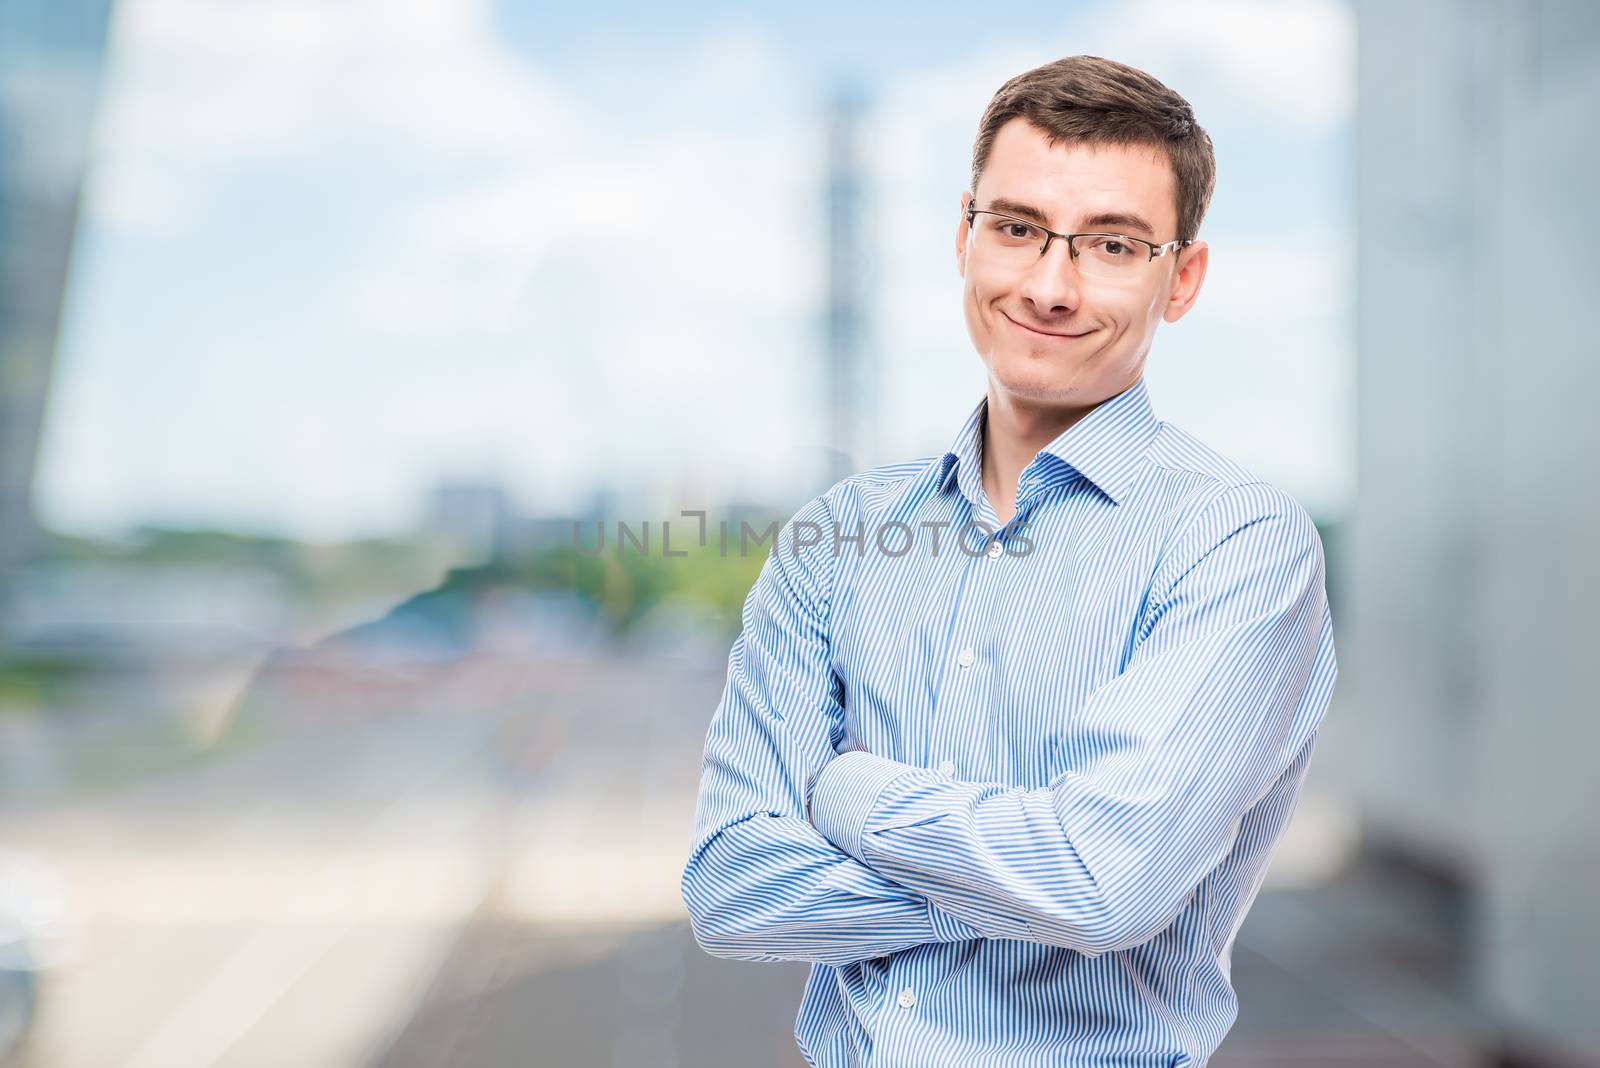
{"type": "Point", "coordinates": [1071, 182]}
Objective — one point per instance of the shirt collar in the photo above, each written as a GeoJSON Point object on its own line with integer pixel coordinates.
{"type": "Point", "coordinates": [1106, 446]}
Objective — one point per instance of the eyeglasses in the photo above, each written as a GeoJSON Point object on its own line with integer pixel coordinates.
{"type": "Point", "coordinates": [1009, 241]}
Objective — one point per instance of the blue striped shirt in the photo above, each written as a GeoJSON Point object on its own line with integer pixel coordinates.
{"type": "Point", "coordinates": [1013, 795]}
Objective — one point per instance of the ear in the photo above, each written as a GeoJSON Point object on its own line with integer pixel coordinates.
{"type": "Point", "coordinates": [961, 236]}
{"type": "Point", "coordinates": [1186, 282]}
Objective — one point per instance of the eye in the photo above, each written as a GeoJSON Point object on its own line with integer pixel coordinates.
{"type": "Point", "coordinates": [1112, 248]}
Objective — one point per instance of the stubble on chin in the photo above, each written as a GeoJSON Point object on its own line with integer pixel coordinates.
{"type": "Point", "coordinates": [1035, 381]}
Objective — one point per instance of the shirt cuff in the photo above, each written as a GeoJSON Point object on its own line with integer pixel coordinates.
{"type": "Point", "coordinates": [844, 793]}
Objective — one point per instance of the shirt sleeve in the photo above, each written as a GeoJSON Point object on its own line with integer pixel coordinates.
{"type": "Point", "coordinates": [1222, 696]}
{"type": "Point", "coordinates": [761, 883]}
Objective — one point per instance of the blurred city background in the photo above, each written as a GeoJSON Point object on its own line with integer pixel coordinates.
{"type": "Point", "coordinates": [322, 740]}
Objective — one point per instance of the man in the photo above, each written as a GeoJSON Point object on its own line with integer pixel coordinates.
{"type": "Point", "coordinates": [1009, 733]}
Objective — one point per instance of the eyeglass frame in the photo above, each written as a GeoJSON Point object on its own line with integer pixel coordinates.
{"type": "Point", "coordinates": [1162, 249]}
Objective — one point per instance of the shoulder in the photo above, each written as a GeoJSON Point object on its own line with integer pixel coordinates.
{"type": "Point", "coordinates": [812, 533]}
{"type": "Point", "coordinates": [847, 502]}
{"type": "Point", "coordinates": [883, 490]}
{"type": "Point", "coordinates": [1205, 484]}
{"type": "Point", "coordinates": [1178, 456]}
{"type": "Point", "coordinates": [1212, 498]}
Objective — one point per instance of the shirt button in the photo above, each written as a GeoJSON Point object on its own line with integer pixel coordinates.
{"type": "Point", "coordinates": [965, 659]}
{"type": "Point", "coordinates": [947, 767]}
{"type": "Point", "coordinates": [995, 550]}
{"type": "Point", "coordinates": [907, 998]}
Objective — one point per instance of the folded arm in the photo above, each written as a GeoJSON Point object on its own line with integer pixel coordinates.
{"type": "Point", "coordinates": [761, 882]}
{"type": "Point", "coordinates": [1222, 696]}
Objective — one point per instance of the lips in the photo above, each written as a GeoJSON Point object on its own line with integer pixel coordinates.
{"type": "Point", "coordinates": [1041, 333]}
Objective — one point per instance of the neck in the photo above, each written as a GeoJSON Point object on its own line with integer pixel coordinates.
{"type": "Point", "coordinates": [1014, 431]}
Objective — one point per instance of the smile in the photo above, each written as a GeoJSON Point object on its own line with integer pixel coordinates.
{"type": "Point", "coordinates": [1040, 333]}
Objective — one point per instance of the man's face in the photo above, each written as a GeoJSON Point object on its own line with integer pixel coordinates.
{"type": "Point", "coordinates": [1017, 315]}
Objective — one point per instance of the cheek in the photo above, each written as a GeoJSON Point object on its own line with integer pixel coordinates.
{"type": "Point", "coordinates": [1127, 310]}
{"type": "Point", "coordinates": [981, 296]}
{"type": "Point", "coordinates": [972, 303]}
{"type": "Point", "coordinates": [1151, 308]}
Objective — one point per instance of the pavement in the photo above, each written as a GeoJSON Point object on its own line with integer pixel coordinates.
{"type": "Point", "coordinates": [482, 869]}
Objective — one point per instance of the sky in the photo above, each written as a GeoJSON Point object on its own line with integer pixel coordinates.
{"type": "Point", "coordinates": [332, 254]}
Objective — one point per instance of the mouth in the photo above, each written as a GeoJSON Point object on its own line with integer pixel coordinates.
{"type": "Point", "coordinates": [1031, 332]}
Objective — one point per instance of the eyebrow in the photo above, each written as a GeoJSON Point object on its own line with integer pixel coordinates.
{"type": "Point", "coordinates": [1125, 219]}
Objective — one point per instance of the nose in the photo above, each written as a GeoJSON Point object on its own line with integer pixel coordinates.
{"type": "Point", "coordinates": [1052, 284]}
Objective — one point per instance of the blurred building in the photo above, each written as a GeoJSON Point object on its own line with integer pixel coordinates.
{"type": "Point", "coordinates": [51, 54]}
{"type": "Point", "coordinates": [1469, 719]}
{"type": "Point", "coordinates": [479, 522]}
{"type": "Point", "coordinates": [847, 378]}
{"type": "Point", "coordinates": [473, 518]}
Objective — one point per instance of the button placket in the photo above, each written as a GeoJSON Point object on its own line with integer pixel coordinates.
{"type": "Point", "coordinates": [954, 713]}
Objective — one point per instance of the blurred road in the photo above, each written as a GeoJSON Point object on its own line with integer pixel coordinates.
{"type": "Point", "coordinates": [487, 874]}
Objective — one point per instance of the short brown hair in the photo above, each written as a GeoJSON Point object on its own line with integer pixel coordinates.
{"type": "Point", "coordinates": [1094, 101]}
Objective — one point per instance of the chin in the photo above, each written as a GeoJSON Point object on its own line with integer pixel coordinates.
{"type": "Point", "coordinates": [1036, 380]}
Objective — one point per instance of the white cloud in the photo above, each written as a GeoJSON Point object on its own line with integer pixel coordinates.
{"type": "Point", "coordinates": [558, 282]}
{"type": "Point", "coordinates": [1285, 63]}
{"type": "Point", "coordinates": [578, 287]}
{"type": "Point", "coordinates": [197, 91]}
{"type": "Point", "coordinates": [1282, 62]}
